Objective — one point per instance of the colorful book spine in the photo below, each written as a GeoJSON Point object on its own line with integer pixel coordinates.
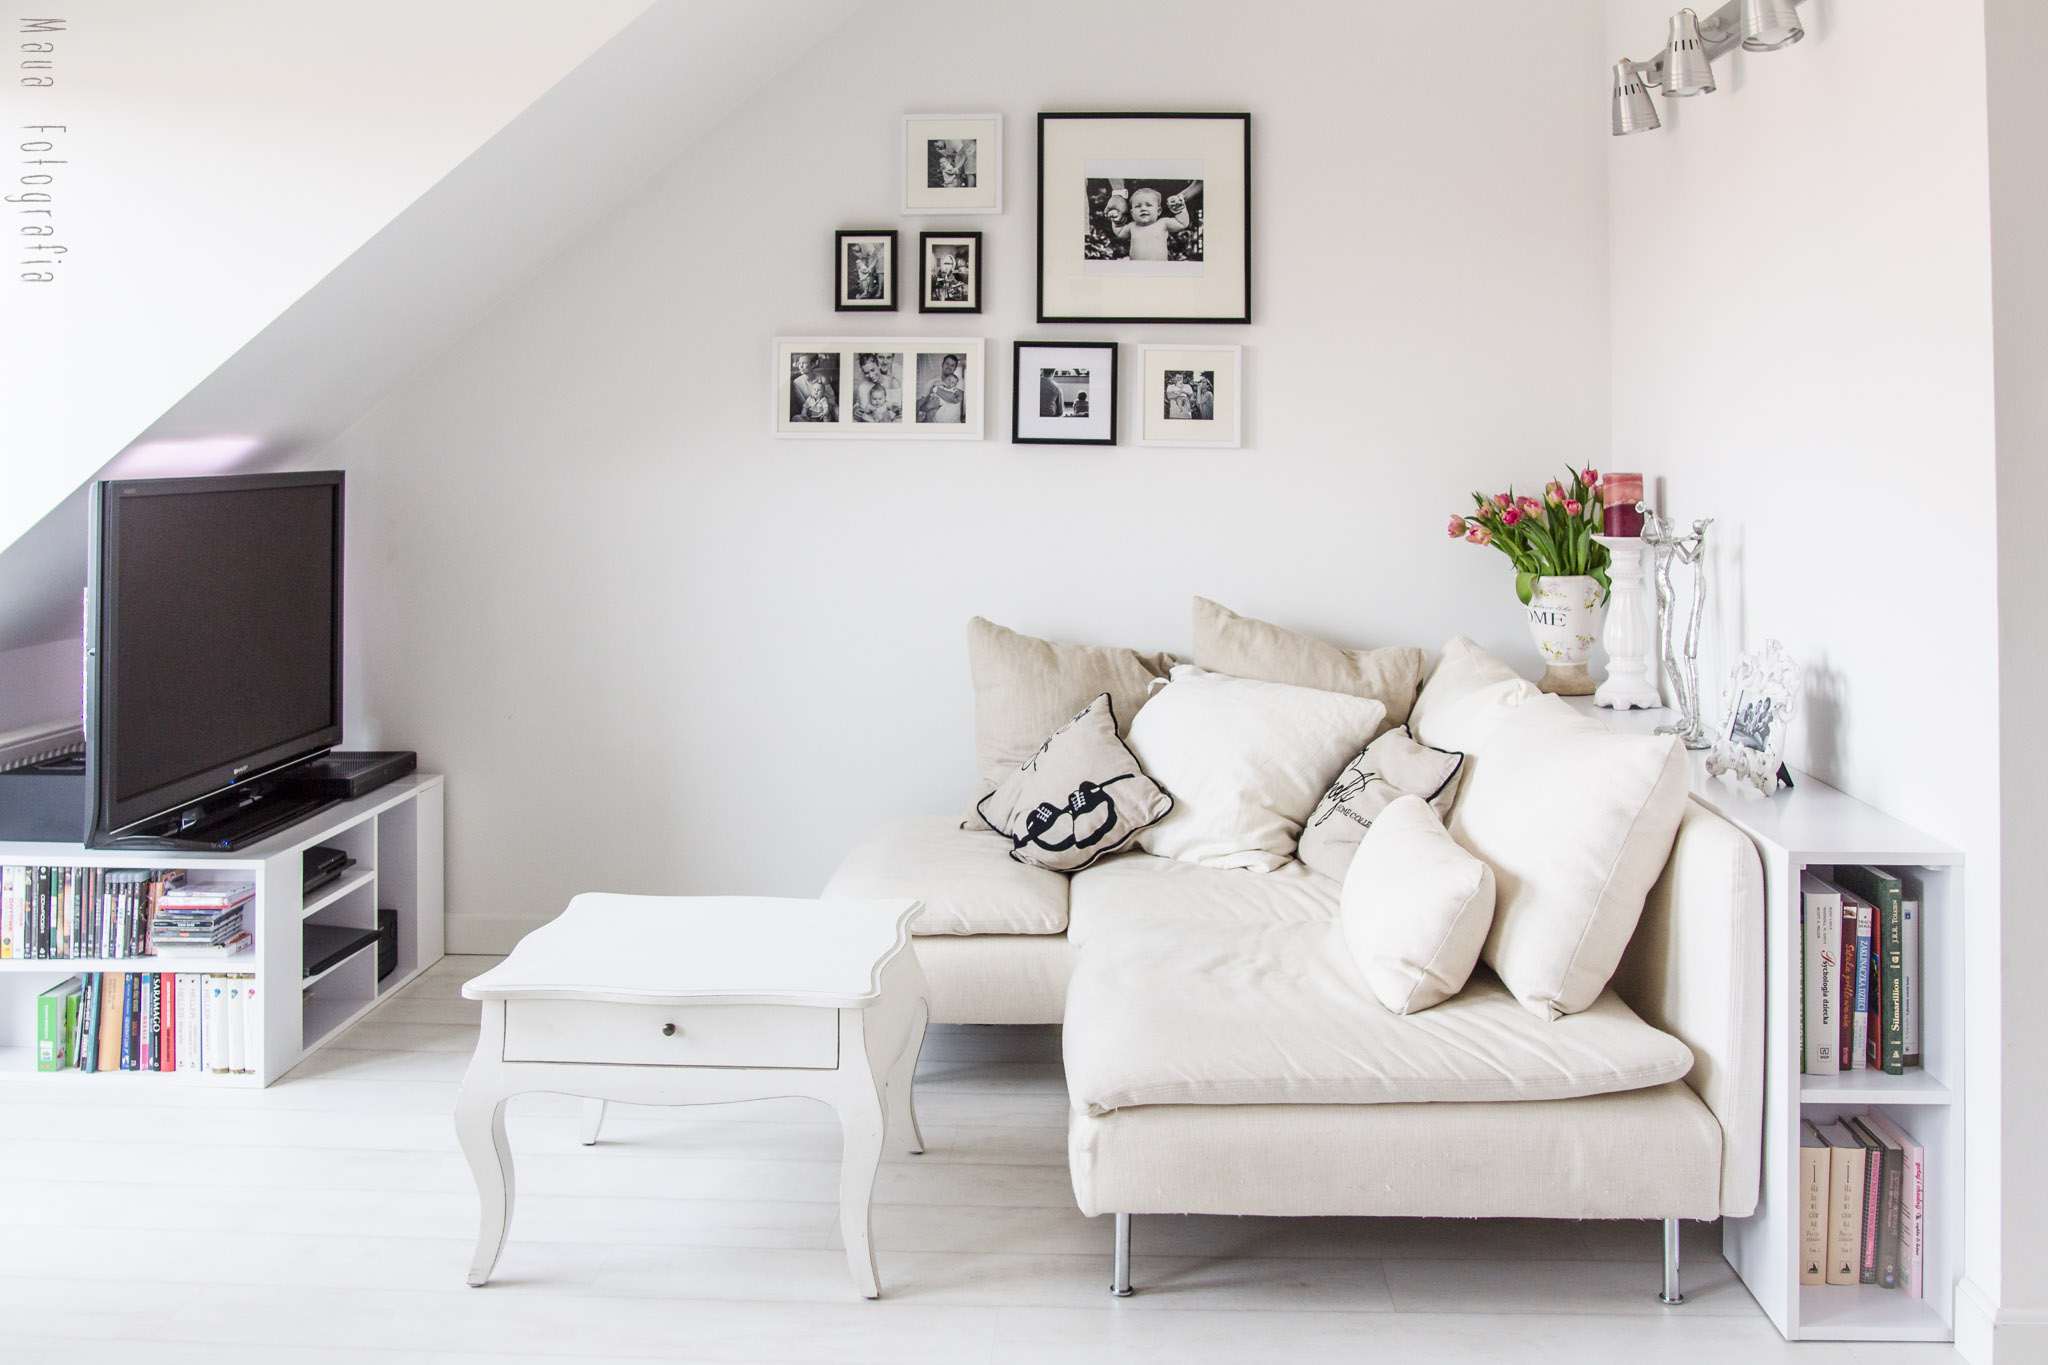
{"type": "Point", "coordinates": [1885, 893]}
{"type": "Point", "coordinates": [1856, 996]}
{"type": "Point", "coordinates": [113, 990]}
{"type": "Point", "coordinates": [56, 1015]}
{"type": "Point", "coordinates": [1912, 1206]}
{"type": "Point", "coordinates": [1912, 902]}
{"type": "Point", "coordinates": [1821, 911]}
{"type": "Point", "coordinates": [216, 1011]}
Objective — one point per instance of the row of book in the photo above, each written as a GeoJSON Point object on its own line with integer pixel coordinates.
{"type": "Point", "coordinates": [1863, 1204]}
{"type": "Point", "coordinates": [1860, 991]}
{"type": "Point", "coordinates": [147, 1021]}
{"type": "Point", "coordinates": [60, 912]}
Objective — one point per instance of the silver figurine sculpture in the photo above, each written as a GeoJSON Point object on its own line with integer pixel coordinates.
{"type": "Point", "coordinates": [1682, 669]}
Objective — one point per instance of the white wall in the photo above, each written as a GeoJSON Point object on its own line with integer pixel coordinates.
{"type": "Point", "coordinates": [659, 651]}
{"type": "Point", "coordinates": [1801, 294]}
{"type": "Point", "coordinates": [2015, 30]}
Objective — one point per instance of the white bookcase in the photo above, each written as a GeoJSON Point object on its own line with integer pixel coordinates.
{"type": "Point", "coordinates": [1813, 827]}
{"type": "Point", "coordinates": [394, 836]}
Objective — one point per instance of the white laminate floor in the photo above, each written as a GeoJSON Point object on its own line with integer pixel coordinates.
{"type": "Point", "coordinates": [330, 1218]}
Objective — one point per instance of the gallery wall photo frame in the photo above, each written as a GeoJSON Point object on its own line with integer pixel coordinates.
{"type": "Point", "coordinates": [1063, 393]}
{"type": "Point", "coordinates": [949, 272]}
{"type": "Point", "coordinates": [1191, 396]}
{"type": "Point", "coordinates": [877, 388]}
{"type": "Point", "coordinates": [864, 270]}
{"type": "Point", "coordinates": [1144, 217]}
{"type": "Point", "coordinates": [952, 163]}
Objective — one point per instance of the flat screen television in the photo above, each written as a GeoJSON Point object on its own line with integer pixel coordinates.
{"type": "Point", "coordinates": [213, 641]}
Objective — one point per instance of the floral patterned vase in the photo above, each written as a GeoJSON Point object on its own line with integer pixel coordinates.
{"type": "Point", "coordinates": [1565, 615]}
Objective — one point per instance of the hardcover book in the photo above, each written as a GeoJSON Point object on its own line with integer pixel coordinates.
{"type": "Point", "coordinates": [1813, 1205]}
{"type": "Point", "coordinates": [1846, 1162]}
{"type": "Point", "coordinates": [1821, 911]}
{"type": "Point", "coordinates": [1886, 895]}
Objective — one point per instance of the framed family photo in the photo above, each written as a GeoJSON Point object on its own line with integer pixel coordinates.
{"type": "Point", "coordinates": [1063, 393]}
{"type": "Point", "coordinates": [864, 271]}
{"type": "Point", "coordinates": [952, 163]}
{"type": "Point", "coordinates": [1762, 697]}
{"type": "Point", "coordinates": [1144, 218]}
{"type": "Point", "coordinates": [949, 272]}
{"type": "Point", "coordinates": [1192, 396]}
{"type": "Point", "coordinates": [854, 388]}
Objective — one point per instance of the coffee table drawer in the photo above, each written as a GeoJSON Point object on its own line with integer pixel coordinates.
{"type": "Point", "coordinates": [671, 1035]}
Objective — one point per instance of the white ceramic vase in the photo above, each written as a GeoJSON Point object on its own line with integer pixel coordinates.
{"type": "Point", "coordinates": [1565, 613]}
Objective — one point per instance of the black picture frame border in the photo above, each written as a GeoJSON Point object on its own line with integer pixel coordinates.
{"type": "Point", "coordinates": [923, 261]}
{"type": "Point", "coordinates": [839, 303]}
{"type": "Point", "coordinates": [1017, 349]}
{"type": "Point", "coordinates": [1245, 118]}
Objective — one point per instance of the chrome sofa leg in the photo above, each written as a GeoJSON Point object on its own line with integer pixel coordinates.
{"type": "Point", "coordinates": [1672, 1294]}
{"type": "Point", "coordinates": [1120, 1281]}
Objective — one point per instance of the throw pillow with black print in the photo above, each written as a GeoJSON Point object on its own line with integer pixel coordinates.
{"type": "Point", "coordinates": [1080, 798]}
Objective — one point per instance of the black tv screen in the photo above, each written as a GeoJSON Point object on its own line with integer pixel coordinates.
{"type": "Point", "coordinates": [213, 636]}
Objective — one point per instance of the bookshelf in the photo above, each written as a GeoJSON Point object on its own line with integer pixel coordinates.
{"type": "Point", "coordinates": [394, 836]}
{"type": "Point", "coordinates": [1814, 827]}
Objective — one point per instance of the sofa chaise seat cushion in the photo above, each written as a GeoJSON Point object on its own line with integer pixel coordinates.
{"type": "Point", "coordinates": [1138, 886]}
{"type": "Point", "coordinates": [1218, 1013]}
{"type": "Point", "coordinates": [966, 878]}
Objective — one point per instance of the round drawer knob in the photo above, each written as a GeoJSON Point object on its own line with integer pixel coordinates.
{"type": "Point", "coordinates": [668, 1030]}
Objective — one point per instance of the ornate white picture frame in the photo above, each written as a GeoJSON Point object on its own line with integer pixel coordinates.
{"type": "Point", "coordinates": [1763, 693]}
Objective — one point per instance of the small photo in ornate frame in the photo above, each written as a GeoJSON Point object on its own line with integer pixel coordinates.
{"type": "Point", "coordinates": [864, 270]}
{"type": "Point", "coordinates": [1063, 393]}
{"type": "Point", "coordinates": [952, 163]}
{"type": "Point", "coordinates": [1762, 696]}
{"type": "Point", "coordinates": [949, 272]}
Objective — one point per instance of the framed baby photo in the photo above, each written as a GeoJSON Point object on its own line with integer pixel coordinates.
{"type": "Point", "coordinates": [868, 388]}
{"type": "Point", "coordinates": [864, 270]}
{"type": "Point", "coordinates": [1144, 218]}
{"type": "Point", "coordinates": [1063, 393]}
{"type": "Point", "coordinates": [952, 163]}
{"type": "Point", "coordinates": [1193, 396]}
{"type": "Point", "coordinates": [949, 272]}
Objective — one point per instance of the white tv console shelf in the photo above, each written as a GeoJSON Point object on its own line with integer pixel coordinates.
{"type": "Point", "coordinates": [394, 836]}
{"type": "Point", "coordinates": [1814, 826]}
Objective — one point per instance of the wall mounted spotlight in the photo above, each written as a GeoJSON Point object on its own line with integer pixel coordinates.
{"type": "Point", "coordinates": [1685, 66]}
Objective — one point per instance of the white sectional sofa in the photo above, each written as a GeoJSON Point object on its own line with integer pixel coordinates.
{"type": "Point", "coordinates": [1223, 1054]}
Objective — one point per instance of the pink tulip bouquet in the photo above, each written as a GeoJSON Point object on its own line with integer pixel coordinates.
{"type": "Point", "coordinates": [1547, 537]}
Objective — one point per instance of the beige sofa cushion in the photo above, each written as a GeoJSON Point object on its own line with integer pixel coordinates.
{"type": "Point", "coordinates": [1469, 693]}
{"type": "Point", "coordinates": [1026, 688]}
{"type": "Point", "coordinates": [1138, 886]}
{"type": "Point", "coordinates": [965, 878]}
{"type": "Point", "coordinates": [1416, 908]}
{"type": "Point", "coordinates": [1164, 1013]}
{"type": "Point", "coordinates": [1392, 766]}
{"type": "Point", "coordinates": [1244, 761]}
{"type": "Point", "coordinates": [1080, 798]}
{"type": "Point", "coordinates": [1577, 822]}
{"type": "Point", "coordinates": [1249, 648]}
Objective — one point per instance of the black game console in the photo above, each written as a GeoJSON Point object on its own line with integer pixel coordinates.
{"type": "Point", "coordinates": [327, 944]}
{"type": "Point", "coordinates": [342, 776]}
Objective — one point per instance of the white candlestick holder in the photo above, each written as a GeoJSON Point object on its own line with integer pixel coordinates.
{"type": "Point", "coordinates": [1629, 639]}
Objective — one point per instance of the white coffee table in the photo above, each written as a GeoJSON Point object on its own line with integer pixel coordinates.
{"type": "Point", "coordinates": [702, 1000]}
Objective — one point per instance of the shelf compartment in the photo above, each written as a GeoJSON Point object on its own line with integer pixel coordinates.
{"type": "Point", "coordinates": [312, 981]}
{"type": "Point", "coordinates": [351, 880]}
{"type": "Point", "coordinates": [1862, 1312]}
{"type": "Point", "coordinates": [19, 1063]}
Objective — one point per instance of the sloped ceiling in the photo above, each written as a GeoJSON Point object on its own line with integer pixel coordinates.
{"type": "Point", "coordinates": [424, 279]}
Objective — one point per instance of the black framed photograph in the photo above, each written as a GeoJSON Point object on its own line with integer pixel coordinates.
{"type": "Point", "coordinates": [1144, 218]}
{"type": "Point", "coordinates": [949, 272]}
{"type": "Point", "coordinates": [864, 270]}
{"type": "Point", "coordinates": [1063, 393]}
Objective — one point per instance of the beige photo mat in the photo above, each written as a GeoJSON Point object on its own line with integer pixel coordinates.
{"type": "Point", "coordinates": [873, 388]}
{"type": "Point", "coordinates": [1191, 396]}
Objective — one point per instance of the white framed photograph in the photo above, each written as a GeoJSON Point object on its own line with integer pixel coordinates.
{"type": "Point", "coordinates": [1191, 396]}
{"type": "Point", "coordinates": [952, 163]}
{"type": "Point", "coordinates": [1763, 693]}
{"type": "Point", "coordinates": [1063, 393]}
{"type": "Point", "coordinates": [868, 388]}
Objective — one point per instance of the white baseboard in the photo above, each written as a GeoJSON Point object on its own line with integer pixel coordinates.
{"type": "Point", "coordinates": [1989, 1335]}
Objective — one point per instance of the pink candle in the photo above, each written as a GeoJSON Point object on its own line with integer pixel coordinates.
{"type": "Point", "coordinates": [1619, 494]}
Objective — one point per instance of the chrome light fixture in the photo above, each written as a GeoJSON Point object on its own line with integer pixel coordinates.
{"type": "Point", "coordinates": [1685, 66]}
{"type": "Point", "coordinates": [1768, 25]}
{"type": "Point", "coordinates": [1634, 110]}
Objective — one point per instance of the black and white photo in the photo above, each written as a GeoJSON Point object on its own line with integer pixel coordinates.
{"type": "Point", "coordinates": [949, 272]}
{"type": "Point", "coordinates": [878, 387]}
{"type": "Point", "coordinates": [1762, 696]}
{"type": "Point", "coordinates": [864, 271]}
{"type": "Point", "coordinates": [1190, 396]}
{"type": "Point", "coordinates": [1064, 394]}
{"type": "Point", "coordinates": [814, 386]}
{"type": "Point", "coordinates": [1144, 217]}
{"type": "Point", "coordinates": [941, 387]}
{"type": "Point", "coordinates": [952, 163]}
{"type": "Point", "coordinates": [1193, 396]}
{"type": "Point", "coordinates": [1750, 725]}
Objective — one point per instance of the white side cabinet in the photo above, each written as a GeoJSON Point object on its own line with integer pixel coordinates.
{"type": "Point", "coordinates": [1813, 827]}
{"type": "Point", "coordinates": [394, 836]}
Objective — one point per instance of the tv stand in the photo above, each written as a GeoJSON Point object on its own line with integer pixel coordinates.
{"type": "Point", "coordinates": [231, 820]}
